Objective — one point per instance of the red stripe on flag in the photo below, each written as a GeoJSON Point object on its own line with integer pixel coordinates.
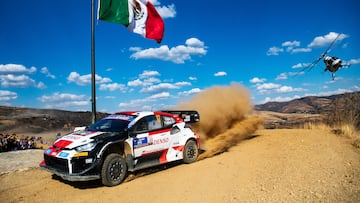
{"type": "Point", "coordinates": [154, 24]}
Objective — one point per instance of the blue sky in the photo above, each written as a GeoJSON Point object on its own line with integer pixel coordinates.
{"type": "Point", "coordinates": [45, 53]}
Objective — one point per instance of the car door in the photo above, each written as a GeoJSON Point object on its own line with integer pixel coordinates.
{"type": "Point", "coordinates": [152, 137]}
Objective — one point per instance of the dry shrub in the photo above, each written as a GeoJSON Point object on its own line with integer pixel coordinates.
{"type": "Point", "coordinates": [345, 111]}
{"type": "Point", "coordinates": [344, 117]}
{"type": "Point", "coordinates": [321, 126]}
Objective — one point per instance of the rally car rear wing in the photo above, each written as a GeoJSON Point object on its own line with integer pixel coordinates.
{"type": "Point", "coordinates": [188, 116]}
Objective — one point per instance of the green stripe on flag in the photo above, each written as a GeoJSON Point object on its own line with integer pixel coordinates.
{"type": "Point", "coordinates": [116, 11]}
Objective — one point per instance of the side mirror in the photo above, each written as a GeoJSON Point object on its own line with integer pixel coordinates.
{"type": "Point", "coordinates": [58, 134]}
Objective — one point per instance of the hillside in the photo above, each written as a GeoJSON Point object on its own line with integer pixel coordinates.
{"type": "Point", "coordinates": [30, 120]}
{"type": "Point", "coordinates": [309, 105]}
{"type": "Point", "coordinates": [278, 115]}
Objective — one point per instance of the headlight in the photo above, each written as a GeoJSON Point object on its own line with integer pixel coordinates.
{"type": "Point", "coordinates": [86, 147]}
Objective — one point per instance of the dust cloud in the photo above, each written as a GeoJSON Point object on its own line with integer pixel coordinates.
{"type": "Point", "coordinates": [226, 117]}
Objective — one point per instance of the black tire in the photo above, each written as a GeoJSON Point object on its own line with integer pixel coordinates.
{"type": "Point", "coordinates": [114, 170]}
{"type": "Point", "coordinates": [191, 152]}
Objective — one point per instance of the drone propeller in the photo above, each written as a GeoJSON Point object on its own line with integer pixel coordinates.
{"type": "Point", "coordinates": [313, 64]}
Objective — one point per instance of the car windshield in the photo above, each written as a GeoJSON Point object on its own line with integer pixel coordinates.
{"type": "Point", "coordinates": [109, 125]}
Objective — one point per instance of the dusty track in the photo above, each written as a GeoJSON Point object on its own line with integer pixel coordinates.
{"type": "Point", "coordinates": [273, 166]}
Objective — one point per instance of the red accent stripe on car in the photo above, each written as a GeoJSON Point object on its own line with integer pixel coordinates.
{"type": "Point", "coordinates": [159, 131]}
{"type": "Point", "coordinates": [62, 144]}
{"type": "Point", "coordinates": [162, 158]}
{"type": "Point", "coordinates": [179, 148]}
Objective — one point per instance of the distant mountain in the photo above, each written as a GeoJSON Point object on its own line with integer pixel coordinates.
{"type": "Point", "coordinates": [276, 114]}
{"type": "Point", "coordinates": [309, 105]}
{"type": "Point", "coordinates": [16, 119]}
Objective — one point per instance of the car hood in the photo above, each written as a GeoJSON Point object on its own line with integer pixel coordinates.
{"type": "Point", "coordinates": [76, 139]}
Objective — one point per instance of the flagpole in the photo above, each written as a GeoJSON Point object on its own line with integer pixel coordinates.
{"type": "Point", "coordinates": [93, 86]}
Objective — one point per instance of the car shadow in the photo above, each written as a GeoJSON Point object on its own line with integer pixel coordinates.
{"type": "Point", "coordinates": [130, 176]}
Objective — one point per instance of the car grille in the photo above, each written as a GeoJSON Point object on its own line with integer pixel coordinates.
{"type": "Point", "coordinates": [79, 165]}
{"type": "Point", "coordinates": [59, 164]}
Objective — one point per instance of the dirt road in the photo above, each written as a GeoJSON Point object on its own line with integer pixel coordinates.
{"type": "Point", "coordinates": [273, 166]}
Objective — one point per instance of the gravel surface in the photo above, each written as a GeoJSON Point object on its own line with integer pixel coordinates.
{"type": "Point", "coordinates": [294, 165]}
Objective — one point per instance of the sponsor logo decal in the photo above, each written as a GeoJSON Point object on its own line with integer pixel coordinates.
{"type": "Point", "coordinates": [63, 154]}
{"type": "Point", "coordinates": [48, 151]}
{"type": "Point", "coordinates": [81, 154]}
{"type": "Point", "coordinates": [160, 141]}
{"type": "Point", "coordinates": [140, 142]}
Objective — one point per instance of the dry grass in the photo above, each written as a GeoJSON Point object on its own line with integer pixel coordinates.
{"type": "Point", "coordinates": [346, 130]}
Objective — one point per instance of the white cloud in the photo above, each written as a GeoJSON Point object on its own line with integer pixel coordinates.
{"type": "Point", "coordinates": [286, 89]}
{"type": "Point", "coordinates": [257, 80]}
{"type": "Point", "coordinates": [183, 83]}
{"type": "Point", "coordinates": [192, 78]}
{"type": "Point", "coordinates": [190, 92]}
{"type": "Point", "coordinates": [326, 40]}
{"type": "Point", "coordinates": [353, 61]}
{"type": "Point", "coordinates": [194, 42]}
{"type": "Point", "coordinates": [14, 75]}
{"type": "Point", "coordinates": [41, 85]}
{"type": "Point", "coordinates": [270, 88]}
{"type": "Point", "coordinates": [45, 71]}
{"type": "Point", "coordinates": [159, 88]}
{"type": "Point", "coordinates": [282, 76]}
{"type": "Point", "coordinates": [178, 54]}
{"type": "Point", "coordinates": [155, 2]}
{"type": "Point", "coordinates": [148, 73]}
{"type": "Point", "coordinates": [274, 51]}
{"type": "Point", "coordinates": [267, 86]}
{"type": "Point", "coordinates": [354, 88]}
{"type": "Point", "coordinates": [113, 86]}
{"type": "Point", "coordinates": [280, 99]}
{"type": "Point", "coordinates": [15, 69]}
{"type": "Point", "coordinates": [135, 83]}
{"type": "Point", "coordinates": [83, 80]}
{"type": "Point", "coordinates": [6, 96]}
{"type": "Point", "coordinates": [294, 43]}
{"type": "Point", "coordinates": [220, 74]}
{"type": "Point", "coordinates": [299, 50]}
{"type": "Point", "coordinates": [300, 65]}
{"type": "Point", "coordinates": [144, 104]}
{"type": "Point", "coordinates": [151, 81]}
{"type": "Point", "coordinates": [166, 11]}
{"type": "Point", "coordinates": [64, 100]}
{"type": "Point", "coordinates": [161, 95]}
{"type": "Point", "coordinates": [20, 81]}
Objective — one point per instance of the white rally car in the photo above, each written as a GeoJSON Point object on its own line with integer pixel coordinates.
{"type": "Point", "coordinates": [122, 142]}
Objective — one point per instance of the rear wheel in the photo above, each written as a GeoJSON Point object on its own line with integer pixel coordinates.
{"type": "Point", "coordinates": [113, 170]}
{"type": "Point", "coordinates": [191, 152]}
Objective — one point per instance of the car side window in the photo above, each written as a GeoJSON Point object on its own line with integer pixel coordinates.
{"type": "Point", "coordinates": [168, 121]}
{"type": "Point", "coordinates": [141, 125]}
{"type": "Point", "coordinates": [148, 123]}
{"type": "Point", "coordinates": [154, 122]}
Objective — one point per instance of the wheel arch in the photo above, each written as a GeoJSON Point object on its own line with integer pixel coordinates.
{"type": "Point", "coordinates": [121, 148]}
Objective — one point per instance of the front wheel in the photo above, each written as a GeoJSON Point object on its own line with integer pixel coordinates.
{"type": "Point", "coordinates": [114, 170]}
{"type": "Point", "coordinates": [191, 152]}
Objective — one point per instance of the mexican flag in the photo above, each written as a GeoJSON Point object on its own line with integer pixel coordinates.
{"type": "Point", "coordinates": [139, 16]}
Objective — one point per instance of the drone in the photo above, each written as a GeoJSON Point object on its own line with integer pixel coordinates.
{"type": "Point", "coordinates": [332, 63]}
